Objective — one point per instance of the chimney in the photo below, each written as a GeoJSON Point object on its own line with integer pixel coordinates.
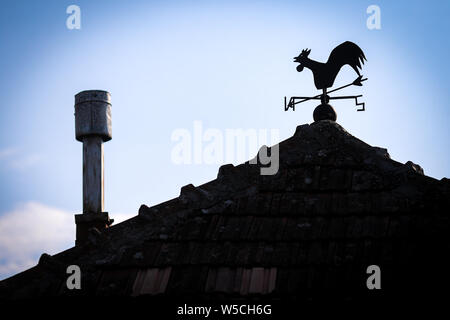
{"type": "Point", "coordinates": [92, 128]}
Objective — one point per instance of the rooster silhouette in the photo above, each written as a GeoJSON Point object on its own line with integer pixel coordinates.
{"type": "Point", "coordinates": [325, 73]}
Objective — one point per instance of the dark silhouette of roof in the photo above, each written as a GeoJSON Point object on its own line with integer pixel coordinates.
{"type": "Point", "coordinates": [336, 206]}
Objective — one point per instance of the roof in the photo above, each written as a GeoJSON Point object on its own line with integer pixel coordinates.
{"type": "Point", "coordinates": [336, 206]}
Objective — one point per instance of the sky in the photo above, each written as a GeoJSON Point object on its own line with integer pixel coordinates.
{"type": "Point", "coordinates": [172, 66]}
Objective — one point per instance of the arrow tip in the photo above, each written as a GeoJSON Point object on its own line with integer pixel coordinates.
{"type": "Point", "coordinates": [357, 81]}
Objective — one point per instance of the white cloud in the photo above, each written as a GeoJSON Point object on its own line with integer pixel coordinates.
{"type": "Point", "coordinates": [119, 217]}
{"type": "Point", "coordinates": [28, 231]}
{"type": "Point", "coordinates": [5, 153]}
{"type": "Point", "coordinates": [32, 229]}
{"type": "Point", "coordinates": [26, 161]}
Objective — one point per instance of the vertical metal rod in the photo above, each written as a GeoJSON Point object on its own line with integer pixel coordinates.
{"type": "Point", "coordinates": [93, 173]}
{"type": "Point", "coordinates": [324, 96]}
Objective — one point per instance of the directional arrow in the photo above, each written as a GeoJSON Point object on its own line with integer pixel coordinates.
{"type": "Point", "coordinates": [357, 82]}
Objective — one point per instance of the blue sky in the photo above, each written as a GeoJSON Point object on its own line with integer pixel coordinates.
{"type": "Point", "coordinates": [170, 63]}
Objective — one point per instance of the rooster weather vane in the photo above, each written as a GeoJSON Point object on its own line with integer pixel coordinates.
{"type": "Point", "coordinates": [324, 76]}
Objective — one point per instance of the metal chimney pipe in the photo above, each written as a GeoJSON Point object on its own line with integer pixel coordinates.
{"type": "Point", "coordinates": [92, 128]}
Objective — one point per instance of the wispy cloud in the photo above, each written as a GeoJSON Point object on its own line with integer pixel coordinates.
{"type": "Point", "coordinates": [25, 161]}
{"type": "Point", "coordinates": [33, 228]}
{"type": "Point", "coordinates": [18, 160]}
{"type": "Point", "coordinates": [7, 152]}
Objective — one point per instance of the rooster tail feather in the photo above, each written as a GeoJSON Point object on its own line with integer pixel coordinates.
{"type": "Point", "coordinates": [347, 53]}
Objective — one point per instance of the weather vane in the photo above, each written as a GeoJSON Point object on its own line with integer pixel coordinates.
{"type": "Point", "coordinates": [324, 76]}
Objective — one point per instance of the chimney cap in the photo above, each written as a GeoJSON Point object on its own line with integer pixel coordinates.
{"type": "Point", "coordinates": [93, 95]}
{"type": "Point", "coordinates": [93, 114]}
